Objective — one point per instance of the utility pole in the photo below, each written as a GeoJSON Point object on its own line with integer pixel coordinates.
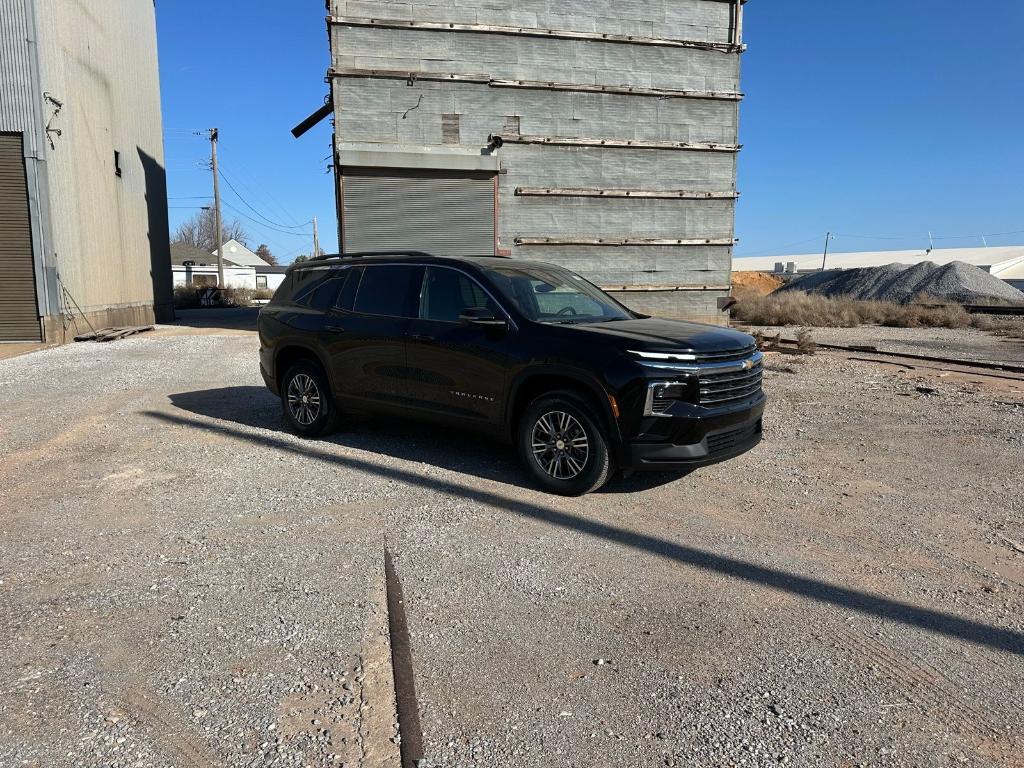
{"type": "Point", "coordinates": [828, 236]}
{"type": "Point", "coordinates": [316, 240]}
{"type": "Point", "coordinates": [216, 210]}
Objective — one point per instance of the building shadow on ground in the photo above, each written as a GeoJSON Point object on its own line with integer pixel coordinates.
{"type": "Point", "coordinates": [463, 452]}
{"type": "Point", "coordinates": [226, 318]}
{"type": "Point", "coordinates": [934, 621]}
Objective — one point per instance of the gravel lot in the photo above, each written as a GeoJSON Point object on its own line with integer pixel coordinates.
{"type": "Point", "coordinates": [186, 584]}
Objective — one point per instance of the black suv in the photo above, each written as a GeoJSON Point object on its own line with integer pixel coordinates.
{"type": "Point", "coordinates": [526, 351]}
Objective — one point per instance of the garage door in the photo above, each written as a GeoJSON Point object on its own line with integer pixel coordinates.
{"type": "Point", "coordinates": [19, 318]}
{"type": "Point", "coordinates": [441, 213]}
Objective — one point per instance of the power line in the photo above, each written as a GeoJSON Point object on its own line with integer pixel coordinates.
{"type": "Point", "coordinates": [986, 234]}
{"type": "Point", "coordinates": [876, 237]}
{"type": "Point", "coordinates": [251, 208]}
{"type": "Point", "coordinates": [267, 226]}
{"type": "Point", "coordinates": [261, 193]}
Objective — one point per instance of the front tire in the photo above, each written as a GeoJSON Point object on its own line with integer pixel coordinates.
{"type": "Point", "coordinates": [564, 445]}
{"type": "Point", "coordinates": [306, 400]}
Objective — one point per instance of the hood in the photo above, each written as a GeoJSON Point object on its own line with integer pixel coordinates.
{"type": "Point", "coordinates": [656, 335]}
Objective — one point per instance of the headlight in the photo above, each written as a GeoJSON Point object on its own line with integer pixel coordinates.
{"type": "Point", "coordinates": [661, 395]}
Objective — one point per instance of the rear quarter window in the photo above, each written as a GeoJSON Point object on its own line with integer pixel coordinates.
{"type": "Point", "coordinates": [318, 289]}
{"type": "Point", "coordinates": [392, 290]}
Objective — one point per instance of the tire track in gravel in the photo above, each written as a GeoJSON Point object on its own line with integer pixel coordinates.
{"type": "Point", "coordinates": [169, 735]}
{"type": "Point", "coordinates": [938, 694]}
{"type": "Point", "coordinates": [44, 449]}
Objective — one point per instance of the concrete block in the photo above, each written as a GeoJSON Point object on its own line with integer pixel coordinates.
{"type": "Point", "coordinates": [506, 17]}
{"type": "Point", "coordinates": [379, 10]}
{"type": "Point", "coordinates": [369, 128]}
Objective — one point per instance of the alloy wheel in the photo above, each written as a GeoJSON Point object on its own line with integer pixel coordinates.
{"type": "Point", "coordinates": [303, 399]}
{"type": "Point", "coordinates": [560, 445]}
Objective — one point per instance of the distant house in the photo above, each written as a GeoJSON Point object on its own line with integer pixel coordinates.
{"type": "Point", "coordinates": [242, 267]}
{"type": "Point", "coordinates": [268, 276]}
{"type": "Point", "coordinates": [236, 253]}
{"type": "Point", "coordinates": [193, 266]}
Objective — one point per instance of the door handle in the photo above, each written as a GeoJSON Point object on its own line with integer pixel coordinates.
{"type": "Point", "coordinates": [421, 337]}
{"type": "Point", "coordinates": [334, 329]}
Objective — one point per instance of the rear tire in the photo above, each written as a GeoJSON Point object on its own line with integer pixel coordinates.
{"type": "Point", "coordinates": [564, 445]}
{"type": "Point", "coordinates": [306, 400]}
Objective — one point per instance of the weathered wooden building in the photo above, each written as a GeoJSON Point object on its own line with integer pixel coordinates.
{"type": "Point", "coordinates": [83, 197]}
{"type": "Point", "coordinates": [597, 134]}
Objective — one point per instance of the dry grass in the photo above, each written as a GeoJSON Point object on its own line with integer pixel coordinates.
{"type": "Point", "coordinates": [1013, 327]}
{"type": "Point", "coordinates": [795, 308]}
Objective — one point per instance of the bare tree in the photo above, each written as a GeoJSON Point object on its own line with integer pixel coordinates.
{"type": "Point", "coordinates": [201, 231]}
{"type": "Point", "coordinates": [264, 253]}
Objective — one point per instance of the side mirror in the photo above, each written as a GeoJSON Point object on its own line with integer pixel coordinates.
{"type": "Point", "coordinates": [481, 317]}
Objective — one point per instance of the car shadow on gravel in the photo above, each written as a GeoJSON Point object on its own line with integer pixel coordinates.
{"type": "Point", "coordinates": [451, 450]}
{"type": "Point", "coordinates": [845, 598]}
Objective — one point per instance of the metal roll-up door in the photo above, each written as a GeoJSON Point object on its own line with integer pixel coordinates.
{"type": "Point", "coordinates": [440, 213]}
{"type": "Point", "coordinates": [19, 316]}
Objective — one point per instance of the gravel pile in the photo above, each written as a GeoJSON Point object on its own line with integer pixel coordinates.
{"type": "Point", "coordinates": [901, 284]}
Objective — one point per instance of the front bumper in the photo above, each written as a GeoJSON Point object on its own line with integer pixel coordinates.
{"type": "Point", "coordinates": [694, 441]}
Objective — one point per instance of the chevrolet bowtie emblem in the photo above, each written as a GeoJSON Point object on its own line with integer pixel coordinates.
{"type": "Point", "coordinates": [748, 364]}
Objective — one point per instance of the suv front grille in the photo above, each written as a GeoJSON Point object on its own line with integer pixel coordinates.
{"type": "Point", "coordinates": [719, 388]}
{"type": "Point", "coordinates": [721, 378]}
{"type": "Point", "coordinates": [724, 357]}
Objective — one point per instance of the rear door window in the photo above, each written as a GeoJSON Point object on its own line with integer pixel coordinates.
{"type": "Point", "coordinates": [447, 294]}
{"type": "Point", "coordinates": [390, 289]}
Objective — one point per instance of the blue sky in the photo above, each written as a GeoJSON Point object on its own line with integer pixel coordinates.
{"type": "Point", "coordinates": [876, 120]}
{"type": "Point", "coordinates": [254, 80]}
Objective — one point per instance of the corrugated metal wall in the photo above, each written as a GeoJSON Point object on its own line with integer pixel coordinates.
{"type": "Point", "coordinates": [27, 220]}
{"type": "Point", "coordinates": [91, 77]}
{"type": "Point", "coordinates": [15, 69]}
{"type": "Point", "coordinates": [99, 58]}
{"type": "Point", "coordinates": [19, 316]}
{"type": "Point", "coordinates": [434, 212]}
{"type": "Point", "coordinates": [483, 69]}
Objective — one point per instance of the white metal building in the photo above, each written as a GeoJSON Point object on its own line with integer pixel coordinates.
{"type": "Point", "coordinates": [83, 196]}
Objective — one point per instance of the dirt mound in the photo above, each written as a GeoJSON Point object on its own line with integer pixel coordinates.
{"type": "Point", "coordinates": [755, 283]}
{"type": "Point", "coordinates": [899, 283]}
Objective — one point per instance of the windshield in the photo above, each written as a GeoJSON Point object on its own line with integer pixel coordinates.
{"type": "Point", "coordinates": [548, 294]}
